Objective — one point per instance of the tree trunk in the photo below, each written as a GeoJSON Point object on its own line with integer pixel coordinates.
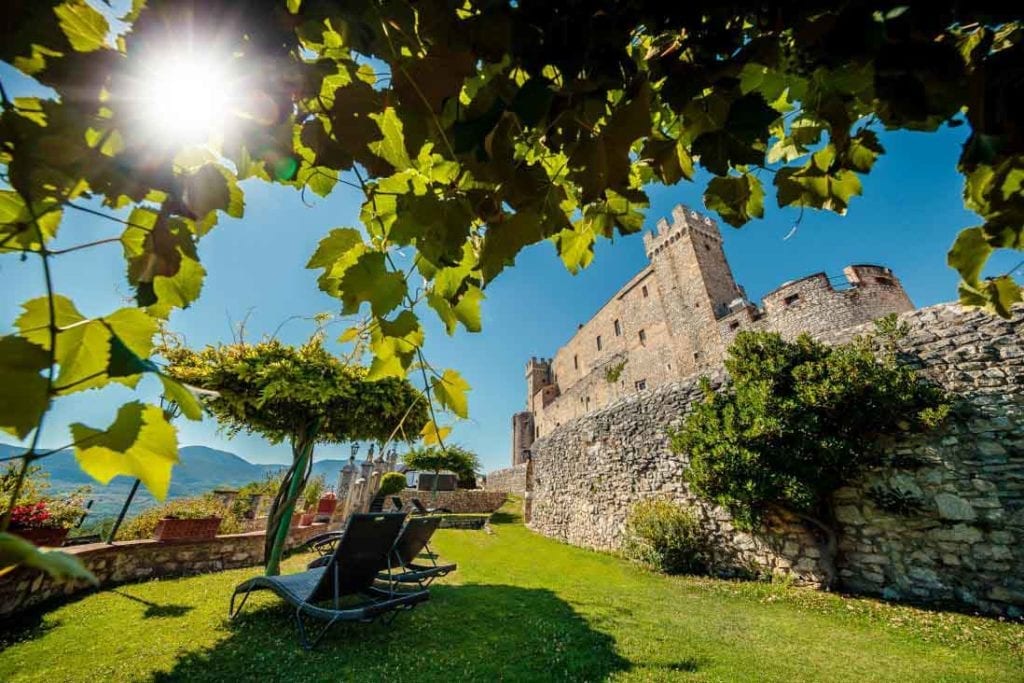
{"type": "Point", "coordinates": [281, 511]}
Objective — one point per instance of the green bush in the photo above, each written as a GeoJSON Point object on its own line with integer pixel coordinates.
{"type": "Point", "coordinates": [143, 525]}
{"type": "Point", "coordinates": [314, 489]}
{"type": "Point", "coordinates": [667, 537]}
{"type": "Point", "coordinates": [391, 483]}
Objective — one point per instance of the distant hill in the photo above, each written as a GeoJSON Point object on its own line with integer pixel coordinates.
{"type": "Point", "coordinates": [201, 469]}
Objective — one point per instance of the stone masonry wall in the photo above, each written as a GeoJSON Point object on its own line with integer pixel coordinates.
{"type": "Point", "coordinates": [128, 561]}
{"type": "Point", "coordinates": [964, 541]}
{"type": "Point", "coordinates": [510, 480]}
{"type": "Point", "coordinates": [458, 501]}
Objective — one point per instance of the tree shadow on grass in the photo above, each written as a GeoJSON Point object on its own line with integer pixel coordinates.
{"type": "Point", "coordinates": [156, 610]}
{"type": "Point", "coordinates": [466, 632]}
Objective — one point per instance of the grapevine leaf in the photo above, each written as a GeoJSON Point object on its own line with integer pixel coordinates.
{"type": "Point", "coordinates": [85, 28]}
{"type": "Point", "coordinates": [503, 240]}
{"type": "Point", "coordinates": [16, 221]}
{"type": "Point", "coordinates": [140, 443]}
{"type": "Point", "coordinates": [450, 390]}
{"type": "Point", "coordinates": [391, 147]}
{"type": "Point", "coordinates": [15, 551]}
{"type": "Point", "coordinates": [736, 199]}
{"type": "Point", "coordinates": [368, 279]}
{"type": "Point", "coordinates": [467, 310]}
{"type": "Point", "coordinates": [433, 434]}
{"type": "Point", "coordinates": [181, 394]}
{"type": "Point", "coordinates": [969, 253]}
{"type": "Point", "coordinates": [23, 398]}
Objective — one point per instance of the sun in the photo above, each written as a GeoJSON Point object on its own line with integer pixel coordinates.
{"type": "Point", "coordinates": [186, 98]}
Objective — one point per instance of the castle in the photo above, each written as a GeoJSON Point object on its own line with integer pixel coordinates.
{"type": "Point", "coordinates": [677, 317]}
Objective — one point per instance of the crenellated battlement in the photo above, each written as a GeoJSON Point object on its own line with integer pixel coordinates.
{"type": "Point", "coordinates": [684, 219]}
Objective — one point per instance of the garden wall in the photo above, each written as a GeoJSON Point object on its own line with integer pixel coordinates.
{"type": "Point", "coordinates": [459, 501]}
{"type": "Point", "coordinates": [962, 543]}
{"type": "Point", "coordinates": [128, 561]}
{"type": "Point", "coordinates": [510, 480]}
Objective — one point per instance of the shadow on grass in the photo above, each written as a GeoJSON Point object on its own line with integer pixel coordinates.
{"type": "Point", "coordinates": [467, 632]}
{"type": "Point", "coordinates": [506, 517]}
{"type": "Point", "coordinates": [153, 609]}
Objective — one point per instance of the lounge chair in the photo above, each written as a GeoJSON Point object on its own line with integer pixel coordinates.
{"type": "Point", "coordinates": [413, 540]}
{"type": "Point", "coordinates": [363, 550]}
{"type": "Point", "coordinates": [397, 502]}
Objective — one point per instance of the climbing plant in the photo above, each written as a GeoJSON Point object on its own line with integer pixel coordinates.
{"type": "Point", "coordinates": [797, 421]}
{"type": "Point", "coordinates": [301, 394]}
{"type": "Point", "coordinates": [469, 130]}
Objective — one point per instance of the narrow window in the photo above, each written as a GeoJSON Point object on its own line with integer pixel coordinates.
{"type": "Point", "coordinates": [791, 299]}
{"type": "Point", "coordinates": [643, 337]}
{"type": "Point", "coordinates": [598, 342]}
{"type": "Point", "coordinates": [696, 355]}
{"type": "Point", "coordinates": [641, 385]}
{"type": "Point", "coordinates": [618, 329]}
{"type": "Point", "coordinates": [643, 290]}
{"type": "Point", "coordinates": [576, 362]}
{"type": "Point", "coordinates": [734, 324]}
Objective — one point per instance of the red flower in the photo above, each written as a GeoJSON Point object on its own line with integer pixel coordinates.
{"type": "Point", "coordinates": [29, 516]}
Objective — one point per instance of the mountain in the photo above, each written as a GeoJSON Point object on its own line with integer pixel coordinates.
{"type": "Point", "coordinates": [201, 469]}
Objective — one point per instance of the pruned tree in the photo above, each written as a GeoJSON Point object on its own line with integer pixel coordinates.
{"type": "Point", "coordinates": [303, 395]}
{"type": "Point", "coordinates": [452, 457]}
{"type": "Point", "coordinates": [796, 421]}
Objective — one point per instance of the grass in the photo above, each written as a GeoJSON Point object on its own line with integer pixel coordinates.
{"type": "Point", "coordinates": [520, 608]}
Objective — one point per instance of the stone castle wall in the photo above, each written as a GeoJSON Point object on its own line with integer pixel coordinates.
{"type": "Point", "coordinates": [509, 480]}
{"type": "Point", "coordinates": [678, 315]}
{"type": "Point", "coordinates": [460, 501]}
{"type": "Point", "coordinates": [965, 543]}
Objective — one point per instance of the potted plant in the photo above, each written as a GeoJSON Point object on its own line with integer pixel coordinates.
{"type": "Point", "coordinates": [311, 498]}
{"type": "Point", "coordinates": [189, 519]}
{"type": "Point", "coordinates": [40, 518]}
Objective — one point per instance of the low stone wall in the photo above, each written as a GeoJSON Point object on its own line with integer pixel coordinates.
{"type": "Point", "coordinates": [129, 561]}
{"type": "Point", "coordinates": [459, 501]}
{"type": "Point", "coordinates": [962, 543]}
{"type": "Point", "coordinates": [510, 480]}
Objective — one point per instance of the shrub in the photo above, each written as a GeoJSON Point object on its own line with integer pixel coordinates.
{"type": "Point", "coordinates": [143, 525]}
{"type": "Point", "coordinates": [667, 537]}
{"type": "Point", "coordinates": [391, 483]}
{"type": "Point", "coordinates": [36, 506]}
{"type": "Point", "coordinates": [314, 489]}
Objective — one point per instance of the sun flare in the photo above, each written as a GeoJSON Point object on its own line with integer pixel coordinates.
{"type": "Point", "coordinates": [187, 98]}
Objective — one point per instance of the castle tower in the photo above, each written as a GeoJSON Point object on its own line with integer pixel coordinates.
{"type": "Point", "coordinates": [523, 434]}
{"type": "Point", "coordinates": [696, 283]}
{"type": "Point", "coordinates": [538, 377]}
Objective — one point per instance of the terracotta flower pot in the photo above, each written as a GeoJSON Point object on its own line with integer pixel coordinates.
{"type": "Point", "coordinates": [172, 529]}
{"type": "Point", "coordinates": [307, 518]}
{"type": "Point", "coordinates": [49, 536]}
{"type": "Point", "coordinates": [327, 504]}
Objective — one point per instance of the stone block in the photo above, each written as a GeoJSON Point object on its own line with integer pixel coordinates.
{"type": "Point", "coordinates": [954, 507]}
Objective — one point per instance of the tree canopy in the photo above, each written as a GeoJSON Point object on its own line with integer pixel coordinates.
{"type": "Point", "coordinates": [454, 458]}
{"type": "Point", "coordinates": [278, 391]}
{"type": "Point", "coordinates": [470, 129]}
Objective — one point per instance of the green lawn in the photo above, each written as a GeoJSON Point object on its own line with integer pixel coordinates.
{"type": "Point", "coordinates": [521, 607]}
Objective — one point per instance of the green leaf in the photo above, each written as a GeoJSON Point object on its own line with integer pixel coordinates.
{"type": "Point", "coordinates": [336, 253]}
{"type": "Point", "coordinates": [503, 240]}
{"type": "Point", "coordinates": [864, 151]}
{"type": "Point", "coordinates": [394, 344]}
{"type": "Point", "coordinates": [16, 221]}
{"type": "Point", "coordinates": [181, 394]}
{"type": "Point", "coordinates": [23, 397]}
{"type": "Point", "coordinates": [179, 290]}
{"type": "Point", "coordinates": [368, 279]}
{"type": "Point", "coordinates": [139, 444]}
{"type": "Point", "coordinates": [433, 434]}
{"type": "Point", "coordinates": [134, 328]}
{"type": "Point", "coordinates": [15, 551]}
{"type": "Point", "coordinates": [817, 184]}
{"type": "Point", "coordinates": [85, 28]}
{"type": "Point", "coordinates": [83, 346]}
{"type": "Point", "coordinates": [450, 390]}
{"type": "Point", "coordinates": [467, 310]}
{"type": "Point", "coordinates": [213, 188]}
{"type": "Point", "coordinates": [576, 246]}
{"type": "Point", "coordinates": [391, 147]}
{"type": "Point", "coordinates": [736, 199]}
{"type": "Point", "coordinates": [969, 254]}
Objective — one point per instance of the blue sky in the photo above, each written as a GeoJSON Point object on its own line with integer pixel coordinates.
{"type": "Point", "coordinates": [910, 212]}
